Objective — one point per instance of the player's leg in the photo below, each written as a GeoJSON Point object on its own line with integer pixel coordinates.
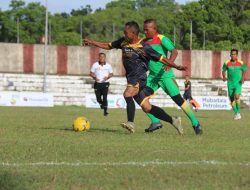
{"type": "Point", "coordinates": [105, 89]}
{"type": "Point", "coordinates": [152, 82]}
{"type": "Point", "coordinates": [237, 100]}
{"type": "Point", "coordinates": [143, 100]}
{"type": "Point", "coordinates": [169, 85]}
{"type": "Point", "coordinates": [231, 92]}
{"type": "Point", "coordinates": [98, 94]}
{"type": "Point", "coordinates": [234, 107]}
{"type": "Point", "coordinates": [194, 103]}
{"type": "Point", "coordinates": [185, 96]}
{"type": "Point", "coordinates": [130, 91]}
{"type": "Point", "coordinates": [161, 114]}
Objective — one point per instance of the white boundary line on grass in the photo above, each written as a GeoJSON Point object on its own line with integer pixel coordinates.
{"type": "Point", "coordinates": [131, 163]}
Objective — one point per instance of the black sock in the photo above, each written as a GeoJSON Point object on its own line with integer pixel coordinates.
{"type": "Point", "coordinates": [105, 110]}
{"type": "Point", "coordinates": [178, 100]}
{"type": "Point", "coordinates": [161, 114]}
{"type": "Point", "coordinates": [130, 108]}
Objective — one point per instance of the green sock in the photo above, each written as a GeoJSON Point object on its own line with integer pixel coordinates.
{"type": "Point", "coordinates": [189, 112]}
{"type": "Point", "coordinates": [237, 103]}
{"type": "Point", "coordinates": [234, 106]}
{"type": "Point", "coordinates": [153, 118]}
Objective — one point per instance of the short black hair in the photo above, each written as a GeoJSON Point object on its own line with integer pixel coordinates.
{"type": "Point", "coordinates": [134, 26]}
{"type": "Point", "coordinates": [151, 20]}
{"type": "Point", "coordinates": [102, 54]}
{"type": "Point", "coordinates": [234, 50]}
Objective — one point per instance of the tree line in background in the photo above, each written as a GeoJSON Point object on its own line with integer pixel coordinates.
{"type": "Point", "coordinates": [203, 24]}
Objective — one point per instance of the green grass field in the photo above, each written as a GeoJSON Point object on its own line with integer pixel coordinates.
{"type": "Point", "coordinates": [39, 150]}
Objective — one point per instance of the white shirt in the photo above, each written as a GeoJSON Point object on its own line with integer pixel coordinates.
{"type": "Point", "coordinates": [101, 71]}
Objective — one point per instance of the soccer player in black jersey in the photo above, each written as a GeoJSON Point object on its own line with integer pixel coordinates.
{"type": "Point", "coordinates": [136, 55]}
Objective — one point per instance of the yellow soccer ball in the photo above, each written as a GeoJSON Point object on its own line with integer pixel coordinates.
{"type": "Point", "coordinates": [81, 124]}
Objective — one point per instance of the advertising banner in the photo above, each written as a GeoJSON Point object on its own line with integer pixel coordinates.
{"type": "Point", "coordinates": [213, 102]}
{"type": "Point", "coordinates": [29, 99]}
{"type": "Point", "coordinates": [204, 102]}
{"type": "Point", "coordinates": [114, 101]}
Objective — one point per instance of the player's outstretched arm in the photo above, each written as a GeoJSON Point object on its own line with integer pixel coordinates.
{"type": "Point", "coordinates": [224, 78]}
{"type": "Point", "coordinates": [243, 77]}
{"type": "Point", "coordinates": [167, 63]}
{"type": "Point", "coordinates": [89, 42]}
{"type": "Point", "coordinates": [154, 55]}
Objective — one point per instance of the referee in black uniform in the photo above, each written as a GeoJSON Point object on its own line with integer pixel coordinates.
{"type": "Point", "coordinates": [101, 72]}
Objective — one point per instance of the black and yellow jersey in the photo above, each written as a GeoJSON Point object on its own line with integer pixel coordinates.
{"type": "Point", "coordinates": [135, 57]}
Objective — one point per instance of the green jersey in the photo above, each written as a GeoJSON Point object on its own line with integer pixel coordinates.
{"type": "Point", "coordinates": [162, 45]}
{"type": "Point", "coordinates": [234, 70]}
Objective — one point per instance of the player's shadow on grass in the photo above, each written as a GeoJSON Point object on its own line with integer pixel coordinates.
{"type": "Point", "coordinates": [91, 130]}
{"type": "Point", "coordinates": [60, 129]}
{"type": "Point", "coordinates": [105, 130]}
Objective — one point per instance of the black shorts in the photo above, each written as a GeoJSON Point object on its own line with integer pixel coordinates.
{"type": "Point", "coordinates": [135, 80]}
{"type": "Point", "coordinates": [187, 96]}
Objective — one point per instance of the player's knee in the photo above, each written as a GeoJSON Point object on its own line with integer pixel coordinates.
{"type": "Point", "coordinates": [237, 97]}
{"type": "Point", "coordinates": [146, 107]}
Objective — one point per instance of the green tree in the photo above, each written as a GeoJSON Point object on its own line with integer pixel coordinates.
{"type": "Point", "coordinates": [226, 23]}
{"type": "Point", "coordinates": [82, 11]}
{"type": "Point", "coordinates": [31, 22]}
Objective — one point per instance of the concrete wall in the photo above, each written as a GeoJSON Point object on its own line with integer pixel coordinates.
{"type": "Point", "coordinates": [75, 60]}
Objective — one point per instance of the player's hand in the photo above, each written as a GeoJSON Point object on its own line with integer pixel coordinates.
{"type": "Point", "coordinates": [87, 42]}
{"type": "Point", "coordinates": [242, 81]}
{"type": "Point", "coordinates": [166, 68]}
{"type": "Point", "coordinates": [224, 79]}
{"type": "Point", "coordinates": [182, 68]}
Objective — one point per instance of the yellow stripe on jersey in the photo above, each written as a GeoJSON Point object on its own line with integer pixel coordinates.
{"type": "Point", "coordinates": [135, 46]}
{"type": "Point", "coordinates": [160, 36]}
{"type": "Point", "coordinates": [240, 61]}
{"type": "Point", "coordinates": [162, 57]}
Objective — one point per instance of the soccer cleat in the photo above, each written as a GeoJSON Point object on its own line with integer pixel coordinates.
{"type": "Point", "coordinates": [237, 116]}
{"type": "Point", "coordinates": [105, 113]}
{"type": "Point", "coordinates": [198, 130]}
{"type": "Point", "coordinates": [130, 126]}
{"type": "Point", "coordinates": [177, 125]}
{"type": "Point", "coordinates": [153, 127]}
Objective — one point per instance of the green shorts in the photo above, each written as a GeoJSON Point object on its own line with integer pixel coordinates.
{"type": "Point", "coordinates": [234, 89]}
{"type": "Point", "coordinates": [169, 85]}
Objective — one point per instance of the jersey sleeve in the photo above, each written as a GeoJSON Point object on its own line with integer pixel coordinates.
{"type": "Point", "coordinates": [151, 53]}
{"type": "Point", "coordinates": [92, 68]}
{"type": "Point", "coordinates": [117, 44]}
{"type": "Point", "coordinates": [244, 67]}
{"type": "Point", "coordinates": [167, 43]}
{"type": "Point", "coordinates": [224, 67]}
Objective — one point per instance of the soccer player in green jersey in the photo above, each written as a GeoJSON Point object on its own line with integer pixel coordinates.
{"type": "Point", "coordinates": [165, 79]}
{"type": "Point", "coordinates": [235, 69]}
